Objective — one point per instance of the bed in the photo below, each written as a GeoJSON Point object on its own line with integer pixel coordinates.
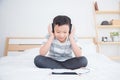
{"type": "Point", "coordinates": [21, 66]}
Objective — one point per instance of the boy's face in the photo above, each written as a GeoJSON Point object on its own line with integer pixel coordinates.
{"type": "Point", "coordinates": [61, 32]}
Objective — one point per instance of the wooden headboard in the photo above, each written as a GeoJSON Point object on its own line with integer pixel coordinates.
{"type": "Point", "coordinates": [28, 42]}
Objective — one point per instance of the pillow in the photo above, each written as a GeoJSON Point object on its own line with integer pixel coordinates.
{"type": "Point", "coordinates": [88, 47]}
{"type": "Point", "coordinates": [31, 53]}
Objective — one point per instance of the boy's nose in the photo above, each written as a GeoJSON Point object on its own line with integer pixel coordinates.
{"type": "Point", "coordinates": [61, 35]}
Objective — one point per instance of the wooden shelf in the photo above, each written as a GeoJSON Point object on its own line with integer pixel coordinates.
{"type": "Point", "coordinates": [108, 26]}
{"type": "Point", "coordinates": [109, 42]}
{"type": "Point", "coordinates": [114, 57]}
{"type": "Point", "coordinates": [107, 12]}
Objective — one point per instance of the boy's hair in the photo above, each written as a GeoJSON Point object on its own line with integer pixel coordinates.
{"type": "Point", "coordinates": [61, 20]}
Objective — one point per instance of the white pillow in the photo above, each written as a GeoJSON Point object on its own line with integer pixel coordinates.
{"type": "Point", "coordinates": [88, 47]}
{"type": "Point", "coordinates": [31, 53]}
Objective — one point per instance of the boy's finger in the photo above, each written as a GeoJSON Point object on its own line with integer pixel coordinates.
{"type": "Point", "coordinates": [49, 27]}
{"type": "Point", "coordinates": [73, 29]}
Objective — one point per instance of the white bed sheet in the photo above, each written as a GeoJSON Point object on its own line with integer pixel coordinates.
{"type": "Point", "coordinates": [22, 68]}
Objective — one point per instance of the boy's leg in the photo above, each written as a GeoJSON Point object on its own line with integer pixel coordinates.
{"type": "Point", "coordinates": [75, 63]}
{"type": "Point", "coordinates": [47, 62]}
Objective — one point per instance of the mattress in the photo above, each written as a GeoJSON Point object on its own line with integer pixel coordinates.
{"type": "Point", "coordinates": [22, 67]}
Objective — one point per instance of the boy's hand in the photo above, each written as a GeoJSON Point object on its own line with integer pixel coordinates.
{"type": "Point", "coordinates": [50, 31]}
{"type": "Point", "coordinates": [72, 32]}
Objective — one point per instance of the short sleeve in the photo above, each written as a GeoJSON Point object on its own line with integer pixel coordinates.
{"type": "Point", "coordinates": [45, 40]}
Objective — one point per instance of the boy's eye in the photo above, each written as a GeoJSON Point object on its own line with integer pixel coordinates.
{"type": "Point", "coordinates": [65, 32]}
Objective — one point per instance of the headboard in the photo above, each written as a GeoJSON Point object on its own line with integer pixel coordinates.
{"type": "Point", "coordinates": [23, 43]}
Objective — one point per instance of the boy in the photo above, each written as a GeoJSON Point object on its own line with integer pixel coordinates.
{"type": "Point", "coordinates": [60, 45]}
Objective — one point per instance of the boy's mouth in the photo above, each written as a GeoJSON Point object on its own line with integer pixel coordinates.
{"type": "Point", "coordinates": [62, 39]}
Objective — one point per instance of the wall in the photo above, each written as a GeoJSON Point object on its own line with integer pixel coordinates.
{"type": "Point", "coordinates": [30, 18]}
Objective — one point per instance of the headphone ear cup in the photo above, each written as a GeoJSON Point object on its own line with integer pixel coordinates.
{"type": "Point", "coordinates": [70, 28]}
{"type": "Point", "coordinates": [52, 27]}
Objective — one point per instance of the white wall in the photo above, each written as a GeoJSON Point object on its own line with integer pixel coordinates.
{"type": "Point", "coordinates": [31, 17]}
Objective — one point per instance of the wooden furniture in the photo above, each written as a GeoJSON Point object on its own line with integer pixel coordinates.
{"type": "Point", "coordinates": [99, 28]}
{"type": "Point", "coordinates": [19, 44]}
{"type": "Point", "coordinates": [22, 44]}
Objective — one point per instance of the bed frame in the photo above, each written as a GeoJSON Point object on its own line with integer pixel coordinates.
{"type": "Point", "coordinates": [20, 47]}
{"type": "Point", "coordinates": [23, 46]}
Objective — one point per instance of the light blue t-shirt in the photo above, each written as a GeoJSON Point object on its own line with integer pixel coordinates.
{"type": "Point", "coordinates": [61, 51]}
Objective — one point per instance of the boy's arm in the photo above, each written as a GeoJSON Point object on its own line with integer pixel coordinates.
{"type": "Point", "coordinates": [45, 48]}
{"type": "Point", "coordinates": [77, 51]}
